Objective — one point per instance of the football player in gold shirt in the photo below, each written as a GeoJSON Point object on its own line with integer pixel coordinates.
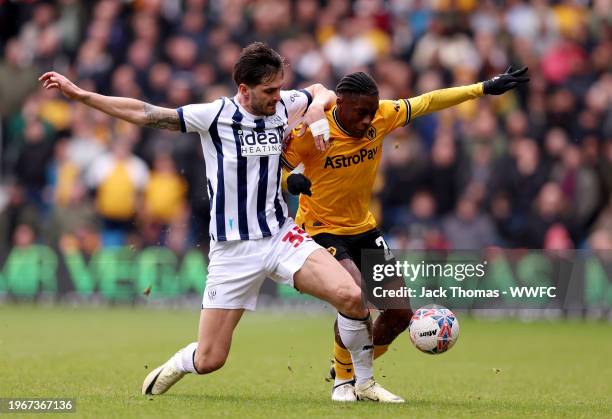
{"type": "Point", "coordinates": [336, 186]}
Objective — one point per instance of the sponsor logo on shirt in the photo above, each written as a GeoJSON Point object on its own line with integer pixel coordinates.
{"type": "Point", "coordinates": [339, 160]}
{"type": "Point", "coordinates": [265, 143]}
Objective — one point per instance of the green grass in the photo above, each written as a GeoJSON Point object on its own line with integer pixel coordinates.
{"type": "Point", "coordinates": [278, 364]}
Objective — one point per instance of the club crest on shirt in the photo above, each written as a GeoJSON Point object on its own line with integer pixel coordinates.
{"type": "Point", "coordinates": [371, 133]}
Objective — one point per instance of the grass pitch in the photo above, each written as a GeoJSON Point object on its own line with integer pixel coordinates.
{"type": "Point", "coordinates": [278, 364]}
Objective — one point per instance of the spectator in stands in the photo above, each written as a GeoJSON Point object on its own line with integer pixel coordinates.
{"type": "Point", "coordinates": [468, 227]}
{"type": "Point", "coordinates": [118, 179]}
{"type": "Point", "coordinates": [165, 205]}
{"type": "Point", "coordinates": [17, 77]}
{"type": "Point", "coordinates": [421, 224]}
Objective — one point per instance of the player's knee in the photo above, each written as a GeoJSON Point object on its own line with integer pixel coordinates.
{"type": "Point", "coordinates": [209, 361]}
{"type": "Point", "coordinates": [351, 302]}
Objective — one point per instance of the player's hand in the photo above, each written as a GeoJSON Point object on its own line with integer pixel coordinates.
{"type": "Point", "coordinates": [319, 127]}
{"type": "Point", "coordinates": [297, 183]}
{"type": "Point", "coordinates": [53, 80]}
{"type": "Point", "coordinates": [504, 82]}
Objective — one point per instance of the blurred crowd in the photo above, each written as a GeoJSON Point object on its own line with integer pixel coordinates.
{"type": "Point", "coordinates": [532, 168]}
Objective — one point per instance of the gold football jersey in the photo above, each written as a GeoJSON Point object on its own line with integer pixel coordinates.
{"type": "Point", "coordinates": [343, 176]}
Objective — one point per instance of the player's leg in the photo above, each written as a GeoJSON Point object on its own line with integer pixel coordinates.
{"type": "Point", "coordinates": [315, 278]}
{"type": "Point", "coordinates": [230, 289]}
{"type": "Point", "coordinates": [342, 369]}
{"type": "Point", "coordinates": [389, 324]}
{"type": "Point", "coordinates": [206, 355]}
{"type": "Point", "coordinates": [323, 277]}
{"type": "Point", "coordinates": [394, 317]}
{"type": "Point", "coordinates": [343, 363]}
{"type": "Point", "coordinates": [214, 338]}
{"type": "Point", "coordinates": [314, 271]}
{"type": "Point", "coordinates": [338, 247]}
{"type": "Point", "coordinates": [395, 312]}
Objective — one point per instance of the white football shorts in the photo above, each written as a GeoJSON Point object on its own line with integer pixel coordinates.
{"type": "Point", "coordinates": [238, 268]}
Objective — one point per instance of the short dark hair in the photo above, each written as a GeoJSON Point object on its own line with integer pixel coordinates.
{"type": "Point", "coordinates": [257, 64]}
{"type": "Point", "coordinates": [358, 83]}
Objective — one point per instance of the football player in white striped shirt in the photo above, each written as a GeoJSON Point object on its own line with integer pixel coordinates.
{"type": "Point", "coordinates": [251, 235]}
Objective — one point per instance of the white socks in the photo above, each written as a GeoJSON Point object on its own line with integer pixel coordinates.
{"type": "Point", "coordinates": [355, 334]}
{"type": "Point", "coordinates": [184, 358]}
{"type": "Point", "coordinates": [357, 337]}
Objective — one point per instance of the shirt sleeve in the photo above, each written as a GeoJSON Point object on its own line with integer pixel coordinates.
{"type": "Point", "coordinates": [296, 103]}
{"type": "Point", "coordinates": [296, 149]}
{"type": "Point", "coordinates": [395, 113]}
{"type": "Point", "coordinates": [198, 117]}
{"type": "Point", "coordinates": [442, 99]}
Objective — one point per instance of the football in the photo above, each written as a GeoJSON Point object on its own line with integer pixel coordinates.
{"type": "Point", "coordinates": [434, 329]}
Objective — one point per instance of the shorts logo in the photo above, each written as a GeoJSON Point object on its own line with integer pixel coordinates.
{"type": "Point", "coordinates": [212, 294]}
{"type": "Point", "coordinates": [332, 250]}
{"type": "Point", "coordinates": [371, 133]}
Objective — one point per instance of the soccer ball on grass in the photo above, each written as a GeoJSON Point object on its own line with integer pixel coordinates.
{"type": "Point", "coordinates": [433, 329]}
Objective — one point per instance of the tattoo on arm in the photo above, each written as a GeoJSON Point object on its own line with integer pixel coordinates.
{"type": "Point", "coordinates": [162, 118]}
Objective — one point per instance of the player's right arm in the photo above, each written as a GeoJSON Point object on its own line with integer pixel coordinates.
{"type": "Point", "coordinates": [128, 109]}
{"type": "Point", "coordinates": [297, 148]}
{"type": "Point", "coordinates": [295, 152]}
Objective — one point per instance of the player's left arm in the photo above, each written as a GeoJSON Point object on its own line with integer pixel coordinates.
{"type": "Point", "coordinates": [308, 106]}
{"type": "Point", "coordinates": [408, 109]}
{"type": "Point", "coordinates": [322, 99]}
{"type": "Point", "coordinates": [446, 98]}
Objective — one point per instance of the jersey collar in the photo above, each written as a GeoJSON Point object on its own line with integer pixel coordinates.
{"type": "Point", "coordinates": [339, 124]}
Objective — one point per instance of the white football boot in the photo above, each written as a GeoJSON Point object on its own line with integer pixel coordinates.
{"type": "Point", "coordinates": [161, 378]}
{"type": "Point", "coordinates": [372, 391]}
{"type": "Point", "coordinates": [344, 392]}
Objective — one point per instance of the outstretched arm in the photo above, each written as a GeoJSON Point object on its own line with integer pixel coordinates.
{"type": "Point", "coordinates": [445, 98]}
{"type": "Point", "coordinates": [399, 113]}
{"type": "Point", "coordinates": [437, 100]}
{"type": "Point", "coordinates": [130, 110]}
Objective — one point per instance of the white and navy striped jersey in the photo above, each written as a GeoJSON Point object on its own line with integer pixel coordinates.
{"type": "Point", "coordinates": [242, 154]}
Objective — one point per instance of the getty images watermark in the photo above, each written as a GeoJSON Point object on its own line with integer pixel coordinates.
{"type": "Point", "coordinates": [459, 272]}
{"type": "Point", "coordinates": [486, 279]}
